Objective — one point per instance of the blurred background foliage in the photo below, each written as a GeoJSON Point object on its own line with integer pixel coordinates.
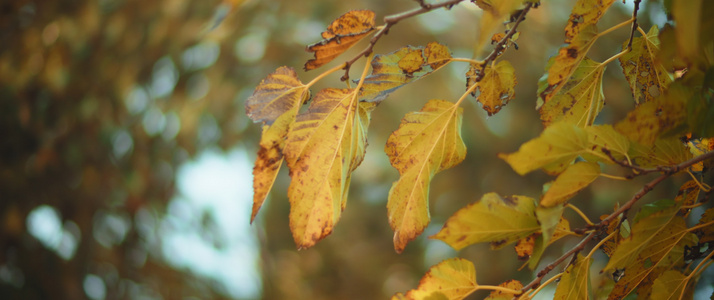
{"type": "Point", "coordinates": [102, 103]}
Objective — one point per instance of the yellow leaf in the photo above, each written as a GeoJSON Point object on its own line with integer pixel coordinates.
{"type": "Point", "coordinates": [324, 146]}
{"type": "Point", "coordinates": [341, 35]}
{"type": "Point", "coordinates": [605, 137]}
{"type": "Point", "coordinates": [275, 102]}
{"type": "Point", "coordinates": [664, 152]}
{"type": "Point", "coordinates": [584, 13]}
{"type": "Point", "coordinates": [579, 100]}
{"type": "Point", "coordinates": [669, 286]}
{"type": "Point", "coordinates": [493, 219]}
{"type": "Point", "coordinates": [392, 71]}
{"type": "Point", "coordinates": [647, 77]}
{"type": "Point", "coordinates": [501, 295]}
{"type": "Point", "coordinates": [553, 150]}
{"type": "Point", "coordinates": [562, 65]}
{"type": "Point", "coordinates": [575, 282]}
{"type": "Point", "coordinates": [699, 147]}
{"type": "Point", "coordinates": [650, 120]}
{"type": "Point", "coordinates": [687, 195]}
{"type": "Point", "coordinates": [455, 278]}
{"type": "Point", "coordinates": [525, 246]}
{"type": "Point", "coordinates": [575, 178]}
{"type": "Point", "coordinates": [706, 232]}
{"type": "Point", "coordinates": [426, 143]}
{"type": "Point", "coordinates": [561, 230]}
{"type": "Point", "coordinates": [658, 238]}
{"type": "Point", "coordinates": [496, 88]}
{"type": "Point", "coordinates": [549, 218]}
{"type": "Point", "coordinates": [495, 12]}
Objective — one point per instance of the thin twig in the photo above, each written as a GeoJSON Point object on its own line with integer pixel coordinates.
{"type": "Point", "coordinates": [634, 23]}
{"type": "Point", "coordinates": [390, 21]}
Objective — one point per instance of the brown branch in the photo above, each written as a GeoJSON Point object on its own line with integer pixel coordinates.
{"type": "Point", "coordinates": [390, 21]}
{"type": "Point", "coordinates": [634, 23]}
{"type": "Point", "coordinates": [671, 170]}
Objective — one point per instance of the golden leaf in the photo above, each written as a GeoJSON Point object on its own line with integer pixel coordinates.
{"type": "Point", "coordinates": [426, 143]}
{"type": "Point", "coordinates": [650, 120]}
{"type": "Point", "coordinates": [553, 150]}
{"type": "Point", "coordinates": [647, 77]}
{"type": "Point", "coordinates": [455, 278]}
{"type": "Point", "coordinates": [664, 152]}
{"type": "Point", "coordinates": [525, 246]}
{"type": "Point", "coordinates": [496, 88]}
{"type": "Point", "coordinates": [495, 219]}
{"type": "Point", "coordinates": [275, 102]}
{"type": "Point", "coordinates": [324, 146]}
{"type": "Point", "coordinates": [584, 13]}
{"type": "Point", "coordinates": [406, 65]}
{"type": "Point", "coordinates": [501, 295]}
{"type": "Point", "coordinates": [605, 137]}
{"type": "Point", "coordinates": [669, 286]}
{"type": "Point", "coordinates": [687, 195]}
{"type": "Point", "coordinates": [575, 282]}
{"type": "Point", "coordinates": [341, 35]}
{"type": "Point", "coordinates": [575, 178]}
{"type": "Point", "coordinates": [579, 99]}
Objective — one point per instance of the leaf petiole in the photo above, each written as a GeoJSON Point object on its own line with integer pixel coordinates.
{"type": "Point", "coordinates": [497, 288]}
{"type": "Point", "coordinates": [324, 74]}
{"type": "Point", "coordinates": [580, 212]}
{"type": "Point", "coordinates": [602, 242]}
{"type": "Point", "coordinates": [613, 28]}
{"type": "Point", "coordinates": [614, 177]}
{"type": "Point", "coordinates": [547, 282]}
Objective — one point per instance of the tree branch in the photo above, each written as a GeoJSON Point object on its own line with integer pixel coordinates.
{"type": "Point", "coordinates": [669, 171]}
{"type": "Point", "coordinates": [634, 23]}
{"type": "Point", "coordinates": [390, 21]}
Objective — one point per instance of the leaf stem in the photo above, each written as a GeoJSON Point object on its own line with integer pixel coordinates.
{"type": "Point", "coordinates": [614, 57]}
{"type": "Point", "coordinates": [614, 177]}
{"type": "Point", "coordinates": [546, 283]}
{"type": "Point", "coordinates": [324, 74]}
{"type": "Point", "coordinates": [613, 28]}
{"type": "Point", "coordinates": [700, 267]}
{"type": "Point", "coordinates": [611, 235]}
{"type": "Point", "coordinates": [468, 60]}
{"type": "Point", "coordinates": [705, 187]}
{"type": "Point", "coordinates": [580, 212]}
{"type": "Point", "coordinates": [710, 223]}
{"type": "Point", "coordinates": [497, 288]}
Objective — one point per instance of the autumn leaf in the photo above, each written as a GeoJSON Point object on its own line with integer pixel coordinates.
{"type": "Point", "coordinates": [324, 146]}
{"type": "Point", "coordinates": [396, 69]}
{"type": "Point", "coordinates": [579, 99]}
{"type": "Point", "coordinates": [562, 229]}
{"type": "Point", "coordinates": [700, 147]}
{"type": "Point", "coordinates": [664, 152]}
{"type": "Point", "coordinates": [669, 286]}
{"type": "Point", "coordinates": [647, 77]}
{"type": "Point", "coordinates": [275, 102]}
{"type": "Point", "coordinates": [553, 150]}
{"type": "Point", "coordinates": [426, 143]}
{"type": "Point", "coordinates": [455, 278]}
{"type": "Point", "coordinates": [549, 218]}
{"type": "Point", "coordinates": [342, 34]}
{"type": "Point", "coordinates": [606, 137]}
{"type": "Point", "coordinates": [525, 246]}
{"type": "Point", "coordinates": [650, 120]}
{"type": "Point", "coordinates": [575, 178]}
{"type": "Point", "coordinates": [575, 282]}
{"type": "Point", "coordinates": [501, 295]}
{"type": "Point", "coordinates": [495, 219]}
{"type": "Point", "coordinates": [496, 88]}
{"type": "Point", "coordinates": [706, 233]}
{"type": "Point", "coordinates": [658, 238]}
{"type": "Point", "coordinates": [495, 12]}
{"type": "Point", "coordinates": [687, 195]}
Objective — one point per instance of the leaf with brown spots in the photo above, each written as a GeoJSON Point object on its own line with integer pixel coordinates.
{"type": "Point", "coordinates": [575, 178]}
{"type": "Point", "coordinates": [577, 100]}
{"type": "Point", "coordinates": [687, 195]}
{"type": "Point", "coordinates": [275, 102]}
{"type": "Point", "coordinates": [553, 150]}
{"type": "Point", "coordinates": [494, 13]}
{"type": "Point", "coordinates": [502, 295]}
{"type": "Point", "coordinates": [670, 286]}
{"type": "Point", "coordinates": [525, 246]}
{"type": "Point", "coordinates": [406, 65]}
{"type": "Point", "coordinates": [706, 233]}
{"type": "Point", "coordinates": [606, 137]}
{"type": "Point", "coordinates": [584, 13]}
{"type": "Point", "coordinates": [647, 77]}
{"type": "Point", "coordinates": [494, 219]}
{"type": "Point", "coordinates": [323, 147]}
{"type": "Point", "coordinates": [496, 88]}
{"type": "Point", "coordinates": [650, 120]}
{"type": "Point", "coordinates": [454, 278]}
{"type": "Point", "coordinates": [664, 152]}
{"type": "Point", "coordinates": [575, 282]}
{"type": "Point", "coordinates": [426, 143]}
{"type": "Point", "coordinates": [342, 34]}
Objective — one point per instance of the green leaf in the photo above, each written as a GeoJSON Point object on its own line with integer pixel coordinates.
{"type": "Point", "coordinates": [426, 143]}
{"type": "Point", "coordinates": [496, 88]}
{"type": "Point", "coordinates": [553, 150]}
{"type": "Point", "coordinates": [647, 77]}
{"type": "Point", "coordinates": [406, 65]}
{"type": "Point", "coordinates": [495, 219]}
{"type": "Point", "coordinates": [275, 102]}
{"type": "Point", "coordinates": [579, 99]}
{"type": "Point", "coordinates": [324, 146]}
{"type": "Point", "coordinates": [575, 282]}
{"type": "Point", "coordinates": [453, 278]}
{"type": "Point", "coordinates": [575, 178]}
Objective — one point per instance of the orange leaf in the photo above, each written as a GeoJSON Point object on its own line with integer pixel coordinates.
{"type": "Point", "coordinates": [341, 35]}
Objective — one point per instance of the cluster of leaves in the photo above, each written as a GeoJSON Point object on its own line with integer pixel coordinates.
{"type": "Point", "coordinates": [672, 85]}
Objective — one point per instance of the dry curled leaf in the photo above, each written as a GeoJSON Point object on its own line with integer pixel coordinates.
{"type": "Point", "coordinates": [342, 34]}
{"type": "Point", "coordinates": [496, 88]}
